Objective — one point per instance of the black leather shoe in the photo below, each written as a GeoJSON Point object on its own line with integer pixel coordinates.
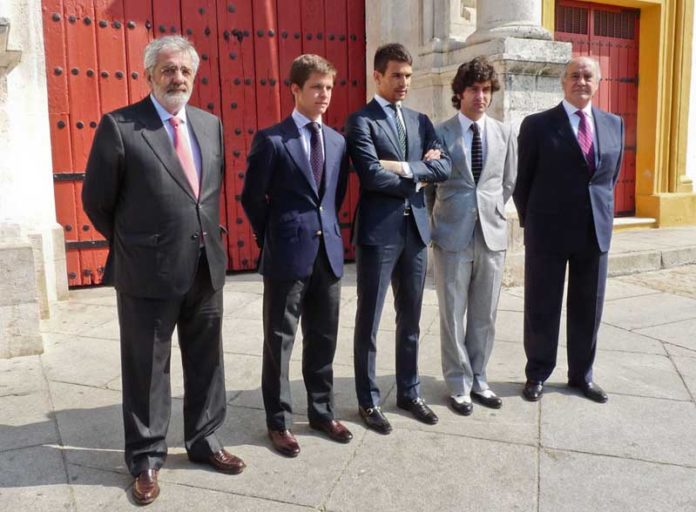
{"type": "Point", "coordinates": [375, 420]}
{"type": "Point", "coordinates": [533, 389]}
{"type": "Point", "coordinates": [419, 409]}
{"type": "Point", "coordinates": [591, 391]}
{"type": "Point", "coordinates": [492, 401]}
{"type": "Point", "coordinates": [464, 408]}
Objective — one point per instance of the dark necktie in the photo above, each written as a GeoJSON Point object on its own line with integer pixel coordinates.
{"type": "Point", "coordinates": [476, 153]}
{"type": "Point", "coordinates": [585, 141]}
{"type": "Point", "coordinates": [400, 130]}
{"type": "Point", "coordinates": [316, 153]}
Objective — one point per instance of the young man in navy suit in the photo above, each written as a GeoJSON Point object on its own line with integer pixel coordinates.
{"type": "Point", "coordinates": [568, 164]}
{"type": "Point", "coordinates": [395, 152]}
{"type": "Point", "coordinates": [295, 183]}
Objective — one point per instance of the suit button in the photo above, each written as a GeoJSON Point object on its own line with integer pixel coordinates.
{"type": "Point", "coordinates": [319, 232]}
{"type": "Point", "coordinates": [194, 236]}
{"type": "Point", "coordinates": [321, 208]}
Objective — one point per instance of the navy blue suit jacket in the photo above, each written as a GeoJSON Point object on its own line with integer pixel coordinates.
{"type": "Point", "coordinates": [555, 194]}
{"type": "Point", "coordinates": [288, 214]}
{"type": "Point", "coordinates": [371, 138]}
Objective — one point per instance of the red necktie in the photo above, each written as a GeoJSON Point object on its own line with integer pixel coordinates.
{"type": "Point", "coordinates": [183, 151]}
{"type": "Point", "coordinates": [585, 141]}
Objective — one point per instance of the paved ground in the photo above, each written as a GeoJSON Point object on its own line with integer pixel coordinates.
{"type": "Point", "coordinates": [61, 434]}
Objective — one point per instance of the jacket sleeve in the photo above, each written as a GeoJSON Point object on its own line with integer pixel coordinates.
{"type": "Point", "coordinates": [373, 176]}
{"type": "Point", "coordinates": [615, 178]}
{"type": "Point", "coordinates": [342, 180]}
{"type": "Point", "coordinates": [257, 181]}
{"type": "Point", "coordinates": [527, 159]}
{"type": "Point", "coordinates": [431, 171]}
{"type": "Point", "coordinates": [510, 167]}
{"type": "Point", "coordinates": [104, 173]}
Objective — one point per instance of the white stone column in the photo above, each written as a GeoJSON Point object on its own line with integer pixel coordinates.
{"type": "Point", "coordinates": [32, 249]}
{"type": "Point", "coordinates": [496, 19]}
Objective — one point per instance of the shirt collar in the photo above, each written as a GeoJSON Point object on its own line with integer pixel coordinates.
{"type": "Point", "coordinates": [466, 123]}
{"type": "Point", "coordinates": [384, 103]}
{"type": "Point", "coordinates": [572, 109]}
{"type": "Point", "coordinates": [164, 114]}
{"type": "Point", "coordinates": [301, 120]}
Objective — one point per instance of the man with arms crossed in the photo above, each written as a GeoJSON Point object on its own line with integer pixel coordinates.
{"type": "Point", "coordinates": [395, 152]}
{"type": "Point", "coordinates": [469, 232]}
{"type": "Point", "coordinates": [294, 186]}
{"type": "Point", "coordinates": [569, 162]}
{"type": "Point", "coordinates": [153, 190]}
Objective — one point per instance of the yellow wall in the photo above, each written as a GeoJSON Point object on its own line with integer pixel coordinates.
{"type": "Point", "coordinates": [663, 191]}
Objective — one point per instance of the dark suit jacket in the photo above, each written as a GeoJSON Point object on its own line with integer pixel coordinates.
{"type": "Point", "coordinates": [555, 195]}
{"type": "Point", "coordinates": [288, 214]}
{"type": "Point", "coordinates": [136, 194]}
{"type": "Point", "coordinates": [371, 138]}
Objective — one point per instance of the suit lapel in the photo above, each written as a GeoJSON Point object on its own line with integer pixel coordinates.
{"type": "Point", "coordinates": [293, 144]}
{"type": "Point", "coordinates": [413, 142]}
{"type": "Point", "coordinates": [380, 117]}
{"type": "Point", "coordinates": [455, 146]}
{"type": "Point", "coordinates": [495, 148]}
{"type": "Point", "coordinates": [156, 136]}
{"type": "Point", "coordinates": [565, 131]}
{"type": "Point", "coordinates": [601, 131]}
{"type": "Point", "coordinates": [205, 141]}
{"type": "Point", "coordinates": [331, 158]}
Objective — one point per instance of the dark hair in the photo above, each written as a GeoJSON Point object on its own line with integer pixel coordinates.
{"type": "Point", "coordinates": [304, 65]}
{"type": "Point", "coordinates": [469, 73]}
{"type": "Point", "coordinates": [392, 51]}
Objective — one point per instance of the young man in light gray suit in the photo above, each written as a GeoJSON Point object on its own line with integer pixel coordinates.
{"type": "Point", "coordinates": [469, 233]}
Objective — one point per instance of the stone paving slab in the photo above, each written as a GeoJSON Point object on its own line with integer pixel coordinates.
{"type": "Point", "coordinates": [576, 481]}
{"type": "Point", "coordinates": [410, 470]}
{"type": "Point", "coordinates": [626, 426]}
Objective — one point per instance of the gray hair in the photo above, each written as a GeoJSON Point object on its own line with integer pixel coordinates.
{"type": "Point", "coordinates": [595, 62]}
{"type": "Point", "coordinates": [154, 47]}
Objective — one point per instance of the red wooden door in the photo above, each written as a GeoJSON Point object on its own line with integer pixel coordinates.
{"type": "Point", "coordinates": [94, 65]}
{"type": "Point", "coordinates": [609, 34]}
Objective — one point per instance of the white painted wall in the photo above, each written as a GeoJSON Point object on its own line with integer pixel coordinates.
{"type": "Point", "coordinates": [26, 180]}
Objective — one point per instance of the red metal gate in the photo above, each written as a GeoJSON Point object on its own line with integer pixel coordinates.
{"type": "Point", "coordinates": [610, 34]}
{"type": "Point", "coordinates": [94, 65]}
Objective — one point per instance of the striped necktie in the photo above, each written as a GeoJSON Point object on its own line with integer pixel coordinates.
{"type": "Point", "coordinates": [476, 153]}
{"type": "Point", "coordinates": [585, 141]}
{"type": "Point", "coordinates": [400, 129]}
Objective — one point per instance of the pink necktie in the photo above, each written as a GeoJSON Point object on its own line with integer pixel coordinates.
{"type": "Point", "coordinates": [183, 151]}
{"type": "Point", "coordinates": [585, 141]}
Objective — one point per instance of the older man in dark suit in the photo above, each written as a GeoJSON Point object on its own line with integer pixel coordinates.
{"type": "Point", "coordinates": [153, 190]}
{"type": "Point", "coordinates": [569, 160]}
{"type": "Point", "coordinates": [295, 183]}
{"type": "Point", "coordinates": [396, 153]}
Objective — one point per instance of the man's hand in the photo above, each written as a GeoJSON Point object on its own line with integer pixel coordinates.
{"type": "Point", "coordinates": [392, 166]}
{"type": "Point", "coordinates": [432, 154]}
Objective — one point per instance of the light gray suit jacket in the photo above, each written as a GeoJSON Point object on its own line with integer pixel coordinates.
{"type": "Point", "coordinates": [456, 204]}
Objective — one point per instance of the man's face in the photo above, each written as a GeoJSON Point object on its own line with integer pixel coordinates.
{"type": "Point", "coordinates": [313, 98]}
{"type": "Point", "coordinates": [475, 99]}
{"type": "Point", "coordinates": [580, 82]}
{"type": "Point", "coordinates": [171, 80]}
{"type": "Point", "coordinates": [394, 83]}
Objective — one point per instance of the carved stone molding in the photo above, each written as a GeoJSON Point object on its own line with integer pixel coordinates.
{"type": "Point", "coordinates": [8, 58]}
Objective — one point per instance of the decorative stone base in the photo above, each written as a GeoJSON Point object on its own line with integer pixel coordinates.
{"type": "Point", "coordinates": [19, 303]}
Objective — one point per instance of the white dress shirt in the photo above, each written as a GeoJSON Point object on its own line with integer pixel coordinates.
{"type": "Point", "coordinates": [189, 138]}
{"type": "Point", "coordinates": [306, 134]}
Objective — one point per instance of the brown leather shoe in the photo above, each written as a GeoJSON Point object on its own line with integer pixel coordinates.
{"type": "Point", "coordinates": [284, 442]}
{"type": "Point", "coordinates": [333, 429]}
{"type": "Point", "coordinates": [146, 489]}
{"type": "Point", "coordinates": [225, 462]}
